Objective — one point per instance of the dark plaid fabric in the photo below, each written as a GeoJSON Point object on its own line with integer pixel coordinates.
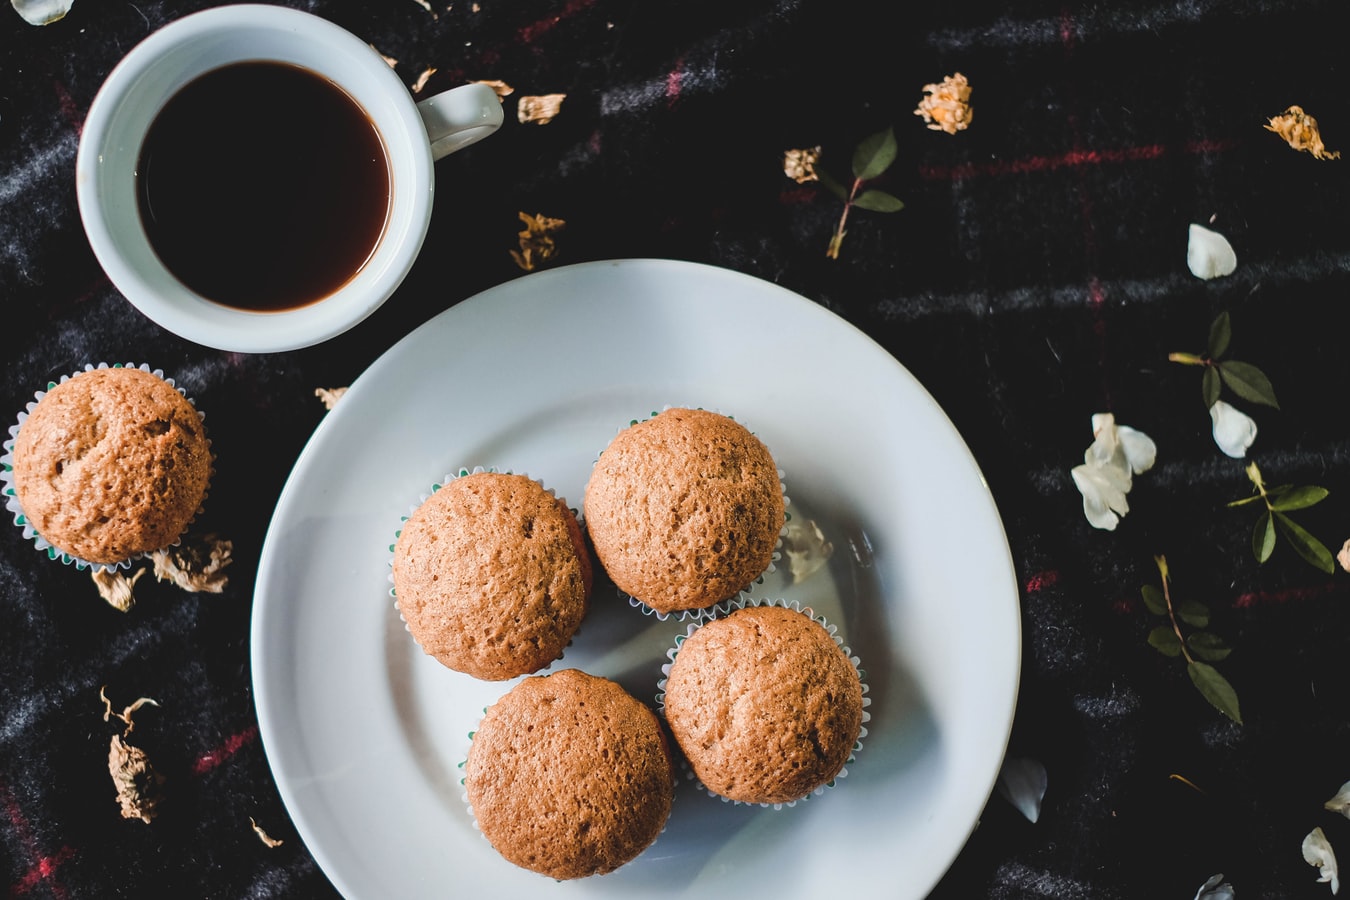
{"type": "Point", "coordinates": [1036, 276]}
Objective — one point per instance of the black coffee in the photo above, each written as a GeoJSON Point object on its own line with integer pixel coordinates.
{"type": "Point", "coordinates": [263, 186]}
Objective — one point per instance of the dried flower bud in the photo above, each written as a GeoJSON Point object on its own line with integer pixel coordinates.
{"type": "Point", "coordinates": [539, 110]}
{"type": "Point", "coordinates": [329, 396]}
{"type": "Point", "coordinates": [500, 88]}
{"type": "Point", "coordinates": [196, 564]}
{"type": "Point", "coordinates": [138, 784]}
{"type": "Point", "coordinates": [115, 587]}
{"type": "Point", "coordinates": [264, 836]}
{"type": "Point", "coordinates": [800, 165]}
{"type": "Point", "coordinates": [1300, 131]}
{"type": "Point", "coordinates": [536, 241]}
{"type": "Point", "coordinates": [946, 106]}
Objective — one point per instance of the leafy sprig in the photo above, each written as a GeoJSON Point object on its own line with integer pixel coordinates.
{"type": "Point", "coordinates": [1279, 502]}
{"type": "Point", "coordinates": [1242, 378]}
{"type": "Point", "coordinates": [871, 159]}
{"type": "Point", "coordinates": [1199, 649]}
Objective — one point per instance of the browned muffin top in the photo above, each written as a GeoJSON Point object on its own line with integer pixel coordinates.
{"type": "Point", "coordinates": [764, 704]}
{"type": "Point", "coordinates": [569, 775]}
{"type": "Point", "coordinates": [492, 575]}
{"type": "Point", "coordinates": [684, 509]}
{"type": "Point", "coordinates": [111, 463]}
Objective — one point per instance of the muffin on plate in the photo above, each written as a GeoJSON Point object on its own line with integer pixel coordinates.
{"type": "Point", "coordinates": [764, 703]}
{"type": "Point", "coordinates": [492, 575]}
{"type": "Point", "coordinates": [110, 463]}
{"type": "Point", "coordinates": [569, 775]}
{"type": "Point", "coordinates": [685, 509]}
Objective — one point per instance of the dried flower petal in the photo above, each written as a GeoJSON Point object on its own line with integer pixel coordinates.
{"type": "Point", "coordinates": [422, 79]}
{"type": "Point", "coordinates": [1213, 890]}
{"type": "Point", "coordinates": [1234, 430]}
{"type": "Point", "coordinates": [500, 88]}
{"type": "Point", "coordinates": [1208, 253]}
{"type": "Point", "coordinates": [196, 564]}
{"type": "Point", "coordinates": [389, 60]}
{"type": "Point", "coordinates": [539, 110]}
{"type": "Point", "coordinates": [1300, 131]}
{"type": "Point", "coordinates": [1117, 453]}
{"type": "Point", "coordinates": [115, 587]}
{"type": "Point", "coordinates": [946, 106]}
{"type": "Point", "coordinates": [124, 715]}
{"type": "Point", "coordinates": [800, 165]}
{"type": "Point", "coordinates": [264, 836]}
{"type": "Point", "coordinates": [136, 781]}
{"type": "Point", "coordinates": [536, 241]}
{"type": "Point", "coordinates": [1022, 782]}
{"type": "Point", "coordinates": [806, 549]}
{"type": "Point", "coordinates": [426, 4]}
{"type": "Point", "coordinates": [1317, 852]}
{"type": "Point", "coordinates": [329, 396]}
{"type": "Point", "coordinates": [42, 12]}
{"type": "Point", "coordinates": [1341, 802]}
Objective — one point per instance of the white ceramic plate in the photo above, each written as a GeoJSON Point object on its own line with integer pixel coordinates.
{"type": "Point", "coordinates": [365, 734]}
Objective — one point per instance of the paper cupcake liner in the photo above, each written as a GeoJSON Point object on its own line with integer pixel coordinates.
{"type": "Point", "coordinates": [703, 613]}
{"type": "Point", "coordinates": [436, 486]}
{"type": "Point", "coordinates": [721, 610]}
{"type": "Point", "coordinates": [464, 795]}
{"type": "Point", "coordinates": [11, 498]}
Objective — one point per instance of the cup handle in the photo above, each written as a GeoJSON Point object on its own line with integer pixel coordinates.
{"type": "Point", "coordinates": [456, 118]}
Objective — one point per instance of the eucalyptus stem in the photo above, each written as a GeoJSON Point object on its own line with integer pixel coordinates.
{"type": "Point", "coordinates": [837, 239]}
{"type": "Point", "coordinates": [1171, 611]}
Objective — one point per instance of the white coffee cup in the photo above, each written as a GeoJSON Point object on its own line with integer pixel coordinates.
{"type": "Point", "coordinates": [414, 134]}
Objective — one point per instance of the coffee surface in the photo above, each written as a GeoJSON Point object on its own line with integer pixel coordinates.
{"type": "Point", "coordinates": [263, 186]}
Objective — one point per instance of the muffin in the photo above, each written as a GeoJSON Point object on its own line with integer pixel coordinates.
{"type": "Point", "coordinates": [492, 575]}
{"type": "Point", "coordinates": [568, 775]}
{"type": "Point", "coordinates": [111, 463]}
{"type": "Point", "coordinates": [764, 704]}
{"type": "Point", "coordinates": [684, 509]}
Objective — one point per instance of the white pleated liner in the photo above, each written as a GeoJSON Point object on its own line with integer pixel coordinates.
{"type": "Point", "coordinates": [725, 608]}
{"type": "Point", "coordinates": [7, 471]}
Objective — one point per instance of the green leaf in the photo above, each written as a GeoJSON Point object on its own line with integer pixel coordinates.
{"type": "Point", "coordinates": [1154, 600]}
{"type": "Point", "coordinates": [1244, 501]}
{"type": "Point", "coordinates": [1263, 537]}
{"type": "Point", "coordinates": [1209, 647]}
{"type": "Point", "coordinates": [1308, 547]}
{"type": "Point", "coordinates": [1216, 689]}
{"type": "Point", "coordinates": [1211, 386]}
{"type": "Point", "coordinates": [1165, 641]}
{"type": "Point", "coordinates": [1193, 612]}
{"type": "Point", "coordinates": [1248, 382]}
{"type": "Point", "coordinates": [1300, 498]}
{"type": "Point", "coordinates": [878, 201]}
{"type": "Point", "coordinates": [831, 185]}
{"type": "Point", "coordinates": [874, 155]}
{"type": "Point", "coordinates": [1220, 333]}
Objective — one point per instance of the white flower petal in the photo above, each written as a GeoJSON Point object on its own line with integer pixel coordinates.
{"type": "Point", "coordinates": [1102, 499]}
{"type": "Point", "coordinates": [1341, 802]}
{"type": "Point", "coordinates": [1234, 430]}
{"type": "Point", "coordinates": [1022, 782]}
{"type": "Point", "coordinates": [1208, 254]}
{"type": "Point", "coordinates": [1317, 852]}
{"type": "Point", "coordinates": [1213, 890]}
{"type": "Point", "coordinates": [1139, 449]}
{"type": "Point", "coordinates": [42, 12]}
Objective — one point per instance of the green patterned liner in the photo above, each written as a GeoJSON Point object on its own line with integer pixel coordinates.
{"type": "Point", "coordinates": [724, 609]}
{"type": "Point", "coordinates": [11, 499]}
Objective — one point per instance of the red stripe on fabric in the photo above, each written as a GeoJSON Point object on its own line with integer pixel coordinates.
{"type": "Point", "coordinates": [534, 30]}
{"type": "Point", "coordinates": [69, 111]}
{"type": "Point", "coordinates": [232, 745]}
{"type": "Point", "coordinates": [1071, 159]}
{"type": "Point", "coordinates": [44, 867]}
{"type": "Point", "coordinates": [1042, 580]}
{"type": "Point", "coordinates": [673, 79]}
{"type": "Point", "coordinates": [1269, 598]}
